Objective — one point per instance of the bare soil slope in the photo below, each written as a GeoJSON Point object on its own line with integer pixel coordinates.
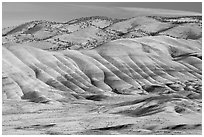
{"type": "Point", "coordinates": [98, 75]}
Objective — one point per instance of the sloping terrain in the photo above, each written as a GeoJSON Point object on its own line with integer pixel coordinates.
{"type": "Point", "coordinates": [98, 75]}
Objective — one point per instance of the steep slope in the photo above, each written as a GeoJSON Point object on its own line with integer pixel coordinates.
{"type": "Point", "coordinates": [126, 65]}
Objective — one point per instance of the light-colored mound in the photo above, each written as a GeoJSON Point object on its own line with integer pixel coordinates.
{"type": "Point", "coordinates": [185, 31]}
{"type": "Point", "coordinates": [145, 24]}
{"type": "Point", "coordinates": [122, 66]}
{"type": "Point", "coordinates": [147, 57]}
{"type": "Point", "coordinates": [85, 37]}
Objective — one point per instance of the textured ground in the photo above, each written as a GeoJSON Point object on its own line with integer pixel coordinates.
{"type": "Point", "coordinates": [98, 75]}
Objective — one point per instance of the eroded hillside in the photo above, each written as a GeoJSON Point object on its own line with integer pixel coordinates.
{"type": "Point", "coordinates": [141, 75]}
